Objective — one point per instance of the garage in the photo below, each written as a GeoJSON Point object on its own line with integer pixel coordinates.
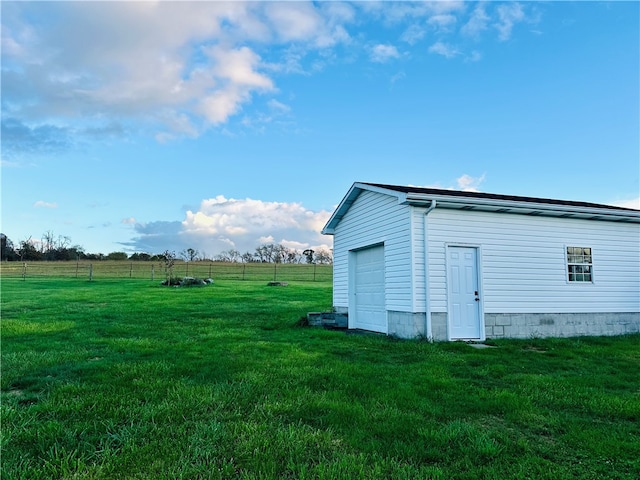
{"type": "Point", "coordinates": [418, 262]}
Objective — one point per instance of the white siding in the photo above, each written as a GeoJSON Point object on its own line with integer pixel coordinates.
{"type": "Point", "coordinates": [375, 218]}
{"type": "Point", "coordinates": [523, 264]}
{"type": "Point", "coordinates": [417, 233]}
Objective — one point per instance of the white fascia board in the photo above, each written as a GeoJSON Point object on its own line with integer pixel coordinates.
{"type": "Point", "coordinates": [511, 206]}
{"type": "Point", "coordinates": [343, 206]}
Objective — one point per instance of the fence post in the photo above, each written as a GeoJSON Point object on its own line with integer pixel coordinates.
{"type": "Point", "coordinates": [275, 265]}
{"type": "Point", "coordinates": [24, 271]}
{"type": "Point", "coordinates": [91, 272]}
{"type": "Point", "coordinates": [314, 272]}
{"type": "Point", "coordinates": [210, 271]}
{"type": "Point", "coordinates": [187, 274]}
{"type": "Point", "coordinates": [77, 265]}
{"type": "Point", "coordinates": [244, 269]}
{"type": "Point", "coordinates": [153, 271]}
{"type": "Point", "coordinates": [130, 269]}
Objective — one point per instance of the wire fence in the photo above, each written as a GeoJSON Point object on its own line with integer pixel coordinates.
{"type": "Point", "coordinates": [155, 271]}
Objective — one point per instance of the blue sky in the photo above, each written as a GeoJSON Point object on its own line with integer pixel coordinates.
{"type": "Point", "coordinates": [146, 126]}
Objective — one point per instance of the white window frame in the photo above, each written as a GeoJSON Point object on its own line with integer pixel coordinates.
{"type": "Point", "coordinates": [576, 258]}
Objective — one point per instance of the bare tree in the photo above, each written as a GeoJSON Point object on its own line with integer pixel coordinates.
{"type": "Point", "coordinates": [47, 242]}
{"type": "Point", "coordinates": [308, 253]}
{"type": "Point", "coordinates": [190, 254]}
{"type": "Point", "coordinates": [324, 256]}
{"type": "Point", "coordinates": [248, 257]}
{"type": "Point", "coordinates": [169, 260]}
{"type": "Point", "coordinates": [228, 256]}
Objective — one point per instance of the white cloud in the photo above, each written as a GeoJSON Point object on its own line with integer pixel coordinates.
{"type": "Point", "coordinates": [442, 21]}
{"type": "Point", "coordinates": [397, 77]}
{"type": "Point", "coordinates": [235, 72]}
{"type": "Point", "coordinates": [413, 34]}
{"type": "Point", "coordinates": [128, 221]}
{"type": "Point", "coordinates": [396, 12]}
{"type": "Point", "coordinates": [444, 49]}
{"type": "Point", "coordinates": [468, 183]}
{"type": "Point", "coordinates": [278, 107]}
{"type": "Point", "coordinates": [43, 204]}
{"type": "Point", "coordinates": [474, 56]}
{"type": "Point", "coordinates": [509, 14]}
{"type": "Point", "coordinates": [300, 21]}
{"type": "Point", "coordinates": [182, 67]}
{"type": "Point", "coordinates": [464, 182]}
{"type": "Point", "coordinates": [477, 23]}
{"type": "Point", "coordinates": [221, 224]}
{"type": "Point", "coordinates": [169, 64]}
{"type": "Point", "coordinates": [631, 203]}
{"type": "Point", "coordinates": [383, 53]}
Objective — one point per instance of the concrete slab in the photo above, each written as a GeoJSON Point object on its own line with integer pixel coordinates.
{"type": "Point", "coordinates": [481, 345]}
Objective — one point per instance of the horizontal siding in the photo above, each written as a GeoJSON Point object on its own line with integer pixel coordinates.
{"type": "Point", "coordinates": [523, 262]}
{"type": "Point", "coordinates": [417, 233]}
{"type": "Point", "coordinates": [375, 218]}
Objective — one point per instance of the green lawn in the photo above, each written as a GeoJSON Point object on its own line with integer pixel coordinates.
{"type": "Point", "coordinates": [127, 379]}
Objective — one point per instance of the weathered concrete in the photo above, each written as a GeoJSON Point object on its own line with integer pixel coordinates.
{"type": "Point", "coordinates": [439, 326]}
{"type": "Point", "coordinates": [500, 325]}
{"type": "Point", "coordinates": [327, 319]}
{"type": "Point", "coordinates": [521, 325]}
{"type": "Point", "coordinates": [405, 324]}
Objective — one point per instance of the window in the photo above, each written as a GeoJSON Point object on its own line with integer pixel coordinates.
{"type": "Point", "coordinates": [579, 264]}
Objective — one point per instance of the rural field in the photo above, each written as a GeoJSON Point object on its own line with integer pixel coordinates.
{"type": "Point", "coordinates": [149, 270]}
{"type": "Point", "coordinates": [122, 378]}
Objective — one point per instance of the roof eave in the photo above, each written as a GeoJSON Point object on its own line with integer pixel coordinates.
{"type": "Point", "coordinates": [482, 204]}
{"type": "Point", "coordinates": [534, 208]}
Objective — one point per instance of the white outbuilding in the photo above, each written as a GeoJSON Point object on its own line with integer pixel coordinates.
{"type": "Point", "coordinates": [450, 265]}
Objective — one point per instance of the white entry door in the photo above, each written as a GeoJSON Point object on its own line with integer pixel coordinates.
{"type": "Point", "coordinates": [464, 294]}
{"type": "Point", "coordinates": [368, 301]}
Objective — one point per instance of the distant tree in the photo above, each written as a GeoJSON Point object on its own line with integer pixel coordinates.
{"type": "Point", "coordinates": [68, 253]}
{"type": "Point", "coordinates": [262, 254]}
{"type": "Point", "coordinates": [248, 257]}
{"type": "Point", "coordinates": [308, 253]}
{"type": "Point", "coordinates": [232, 256]}
{"type": "Point", "coordinates": [169, 259]}
{"type": "Point", "coordinates": [190, 255]}
{"type": "Point", "coordinates": [224, 256]}
{"type": "Point", "coordinates": [140, 257]}
{"type": "Point", "coordinates": [7, 249]}
{"type": "Point", "coordinates": [289, 255]}
{"type": "Point", "coordinates": [27, 251]}
{"type": "Point", "coordinates": [117, 256]}
{"type": "Point", "coordinates": [324, 256]}
{"type": "Point", "coordinates": [47, 243]}
{"type": "Point", "coordinates": [76, 252]}
{"type": "Point", "coordinates": [271, 253]}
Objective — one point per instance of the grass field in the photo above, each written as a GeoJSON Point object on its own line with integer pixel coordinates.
{"type": "Point", "coordinates": [148, 270]}
{"type": "Point", "coordinates": [116, 379]}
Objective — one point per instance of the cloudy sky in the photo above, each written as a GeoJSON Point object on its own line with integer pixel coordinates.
{"type": "Point", "coordinates": [145, 126]}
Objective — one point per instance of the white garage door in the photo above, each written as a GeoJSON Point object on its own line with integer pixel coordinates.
{"type": "Point", "coordinates": [369, 301]}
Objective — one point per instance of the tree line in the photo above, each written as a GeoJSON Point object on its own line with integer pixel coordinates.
{"type": "Point", "coordinates": [59, 248]}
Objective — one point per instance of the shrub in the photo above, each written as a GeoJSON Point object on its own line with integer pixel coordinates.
{"type": "Point", "coordinates": [187, 282]}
